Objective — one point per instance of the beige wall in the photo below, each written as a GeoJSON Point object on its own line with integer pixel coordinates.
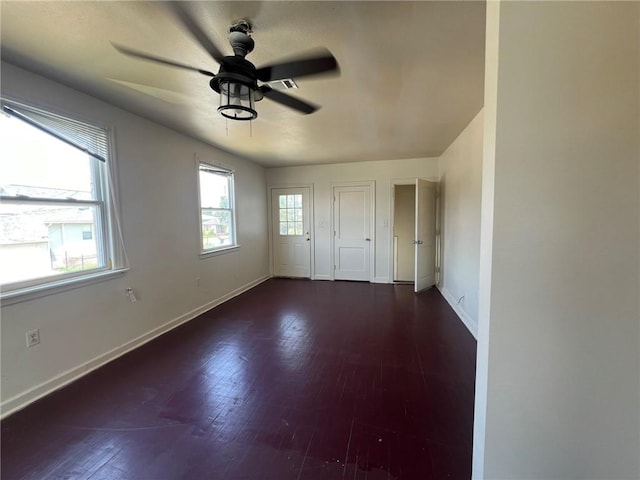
{"type": "Point", "coordinates": [82, 328]}
{"type": "Point", "coordinates": [404, 230]}
{"type": "Point", "coordinates": [460, 197]}
{"type": "Point", "coordinates": [558, 389]}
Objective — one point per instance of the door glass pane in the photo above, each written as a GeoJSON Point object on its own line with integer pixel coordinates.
{"type": "Point", "coordinates": [290, 215]}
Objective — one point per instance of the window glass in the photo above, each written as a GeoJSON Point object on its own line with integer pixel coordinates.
{"type": "Point", "coordinates": [53, 209]}
{"type": "Point", "coordinates": [41, 166]}
{"type": "Point", "coordinates": [217, 216]}
{"type": "Point", "coordinates": [290, 214]}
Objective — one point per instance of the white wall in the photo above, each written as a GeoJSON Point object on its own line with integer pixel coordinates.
{"type": "Point", "coordinates": [322, 176]}
{"type": "Point", "coordinates": [84, 327]}
{"type": "Point", "coordinates": [460, 196]}
{"type": "Point", "coordinates": [558, 385]}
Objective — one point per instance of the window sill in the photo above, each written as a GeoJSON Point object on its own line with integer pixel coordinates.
{"type": "Point", "coordinates": [52, 288]}
{"type": "Point", "coordinates": [220, 251]}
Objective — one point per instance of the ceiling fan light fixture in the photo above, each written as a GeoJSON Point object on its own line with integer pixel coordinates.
{"type": "Point", "coordinates": [237, 101]}
{"type": "Point", "coordinates": [237, 79]}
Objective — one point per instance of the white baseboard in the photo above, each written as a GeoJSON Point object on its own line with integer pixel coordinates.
{"type": "Point", "coordinates": [471, 325]}
{"type": "Point", "coordinates": [381, 280]}
{"type": "Point", "coordinates": [322, 277]}
{"type": "Point", "coordinates": [18, 402]}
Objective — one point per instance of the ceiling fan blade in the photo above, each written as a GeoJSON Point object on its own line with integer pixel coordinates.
{"type": "Point", "coordinates": [145, 56]}
{"type": "Point", "coordinates": [288, 100]}
{"type": "Point", "coordinates": [320, 62]}
{"type": "Point", "coordinates": [197, 32]}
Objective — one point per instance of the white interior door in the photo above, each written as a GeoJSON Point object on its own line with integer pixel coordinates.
{"type": "Point", "coordinates": [425, 241]}
{"type": "Point", "coordinates": [291, 232]}
{"type": "Point", "coordinates": [352, 232]}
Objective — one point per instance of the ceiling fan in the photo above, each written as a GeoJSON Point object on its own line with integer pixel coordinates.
{"type": "Point", "coordinates": [239, 83]}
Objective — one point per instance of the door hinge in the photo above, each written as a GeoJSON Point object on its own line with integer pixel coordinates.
{"type": "Point", "coordinates": [437, 269]}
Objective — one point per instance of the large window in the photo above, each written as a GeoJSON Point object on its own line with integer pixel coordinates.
{"type": "Point", "coordinates": [217, 209]}
{"type": "Point", "coordinates": [55, 218]}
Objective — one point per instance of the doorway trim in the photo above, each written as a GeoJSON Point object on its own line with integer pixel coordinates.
{"type": "Point", "coordinates": [270, 226]}
{"type": "Point", "coordinates": [372, 223]}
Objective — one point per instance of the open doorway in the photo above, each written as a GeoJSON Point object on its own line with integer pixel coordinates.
{"type": "Point", "coordinates": [414, 233]}
{"type": "Point", "coordinates": [404, 226]}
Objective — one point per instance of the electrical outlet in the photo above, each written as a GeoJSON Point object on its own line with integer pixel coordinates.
{"type": "Point", "coordinates": [33, 337]}
{"type": "Point", "coordinates": [131, 295]}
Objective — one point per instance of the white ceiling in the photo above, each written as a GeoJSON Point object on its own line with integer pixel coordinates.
{"type": "Point", "coordinates": [411, 72]}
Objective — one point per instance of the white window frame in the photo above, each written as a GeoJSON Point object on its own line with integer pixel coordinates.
{"type": "Point", "coordinates": [214, 169]}
{"type": "Point", "coordinates": [107, 226]}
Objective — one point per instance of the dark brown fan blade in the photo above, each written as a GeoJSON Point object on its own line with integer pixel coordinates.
{"type": "Point", "coordinates": [197, 32]}
{"type": "Point", "coordinates": [164, 61]}
{"type": "Point", "coordinates": [320, 62]}
{"type": "Point", "coordinates": [288, 100]}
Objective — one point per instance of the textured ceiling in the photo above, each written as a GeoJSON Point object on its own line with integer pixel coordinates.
{"type": "Point", "coordinates": [411, 72]}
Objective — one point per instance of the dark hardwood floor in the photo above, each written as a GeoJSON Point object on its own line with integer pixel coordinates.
{"type": "Point", "coordinates": [292, 380]}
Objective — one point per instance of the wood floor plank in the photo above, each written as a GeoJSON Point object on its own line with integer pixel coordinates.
{"type": "Point", "coordinates": [291, 380]}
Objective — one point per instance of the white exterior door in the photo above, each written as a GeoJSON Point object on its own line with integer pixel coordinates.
{"type": "Point", "coordinates": [352, 232]}
{"type": "Point", "coordinates": [291, 232]}
{"type": "Point", "coordinates": [425, 240]}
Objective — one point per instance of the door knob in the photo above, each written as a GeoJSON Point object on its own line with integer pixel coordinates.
{"type": "Point", "coordinates": [418, 242]}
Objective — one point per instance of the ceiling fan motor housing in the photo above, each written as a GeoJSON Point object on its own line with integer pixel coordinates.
{"type": "Point", "coordinates": [236, 69]}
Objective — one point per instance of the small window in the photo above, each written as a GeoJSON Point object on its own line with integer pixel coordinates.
{"type": "Point", "coordinates": [217, 208]}
{"type": "Point", "coordinates": [55, 217]}
{"type": "Point", "coordinates": [291, 217]}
